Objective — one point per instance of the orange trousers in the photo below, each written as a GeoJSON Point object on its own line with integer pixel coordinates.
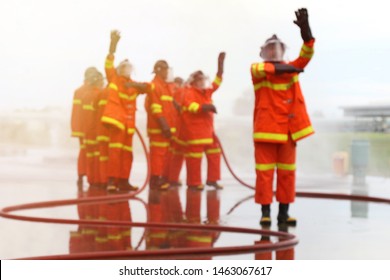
{"type": "Point", "coordinates": [271, 156]}
{"type": "Point", "coordinates": [159, 155]}
{"type": "Point", "coordinates": [120, 154]}
{"type": "Point", "coordinates": [103, 161]}
{"type": "Point", "coordinates": [92, 155]}
{"type": "Point", "coordinates": [177, 151]}
{"type": "Point", "coordinates": [194, 156]}
{"type": "Point", "coordinates": [82, 159]}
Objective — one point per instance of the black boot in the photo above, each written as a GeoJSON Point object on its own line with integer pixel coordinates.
{"type": "Point", "coordinates": [124, 185]}
{"type": "Point", "coordinates": [265, 215]}
{"type": "Point", "coordinates": [283, 217]}
{"type": "Point", "coordinates": [111, 185]}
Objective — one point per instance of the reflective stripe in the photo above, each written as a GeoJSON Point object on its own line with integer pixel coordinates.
{"type": "Point", "coordinates": [270, 136]}
{"type": "Point", "coordinates": [213, 151]}
{"type": "Point", "coordinates": [126, 233]}
{"type": "Point", "coordinates": [159, 144]}
{"type": "Point", "coordinates": [302, 133]}
{"type": "Point", "coordinates": [273, 86]}
{"type": "Point", "coordinates": [306, 55]}
{"type": "Point", "coordinates": [265, 166]}
{"type": "Point", "coordinates": [113, 86]}
{"type": "Point", "coordinates": [120, 146]}
{"type": "Point", "coordinates": [201, 239]}
{"type": "Point", "coordinates": [88, 107]}
{"type": "Point", "coordinates": [89, 231]}
{"type": "Point", "coordinates": [307, 49]}
{"type": "Point", "coordinates": [285, 166]}
{"type": "Point", "coordinates": [102, 102]}
{"type": "Point", "coordinates": [156, 111]}
{"type": "Point", "coordinates": [156, 108]}
{"type": "Point", "coordinates": [77, 134]}
{"type": "Point", "coordinates": [158, 235]}
{"type": "Point", "coordinates": [127, 97]}
{"type": "Point", "coordinates": [194, 107]}
{"type": "Point", "coordinates": [200, 141]}
{"type": "Point", "coordinates": [217, 81]}
{"type": "Point", "coordinates": [130, 130]}
{"type": "Point", "coordinates": [114, 237]}
{"type": "Point", "coordinates": [193, 155]}
{"type": "Point", "coordinates": [90, 142]}
{"type": "Point", "coordinates": [101, 239]}
{"type": "Point", "coordinates": [152, 86]}
{"type": "Point", "coordinates": [96, 154]}
{"type": "Point", "coordinates": [158, 131]}
{"type": "Point", "coordinates": [258, 70]}
{"type": "Point", "coordinates": [82, 147]}
{"type": "Point", "coordinates": [90, 155]}
{"type": "Point", "coordinates": [178, 141]}
{"type": "Point", "coordinates": [306, 52]}
{"type": "Point", "coordinates": [166, 98]}
{"type": "Point", "coordinates": [114, 122]}
{"type": "Point", "coordinates": [77, 101]}
{"type": "Point", "coordinates": [103, 158]}
{"type": "Point", "coordinates": [102, 138]}
{"type": "Point", "coordinates": [109, 64]}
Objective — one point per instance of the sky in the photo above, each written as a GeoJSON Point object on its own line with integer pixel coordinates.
{"type": "Point", "coordinates": [46, 45]}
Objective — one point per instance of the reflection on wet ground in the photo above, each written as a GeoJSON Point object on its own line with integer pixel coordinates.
{"type": "Point", "coordinates": [327, 229]}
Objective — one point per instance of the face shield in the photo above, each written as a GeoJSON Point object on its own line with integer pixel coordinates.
{"type": "Point", "coordinates": [273, 50]}
{"type": "Point", "coordinates": [124, 69]}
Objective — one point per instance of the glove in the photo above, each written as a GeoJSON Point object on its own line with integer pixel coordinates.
{"type": "Point", "coordinates": [115, 36]}
{"type": "Point", "coordinates": [221, 60]}
{"type": "Point", "coordinates": [177, 106]}
{"type": "Point", "coordinates": [303, 22]}
{"type": "Point", "coordinates": [286, 68]}
{"type": "Point", "coordinates": [209, 108]}
{"type": "Point", "coordinates": [166, 130]}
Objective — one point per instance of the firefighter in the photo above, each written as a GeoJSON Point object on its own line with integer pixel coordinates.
{"type": "Point", "coordinates": [91, 75]}
{"type": "Point", "coordinates": [160, 124]}
{"type": "Point", "coordinates": [198, 121]}
{"type": "Point", "coordinates": [119, 116]}
{"type": "Point", "coordinates": [280, 120]}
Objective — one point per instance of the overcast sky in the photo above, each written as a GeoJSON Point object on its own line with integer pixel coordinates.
{"type": "Point", "coordinates": [46, 46]}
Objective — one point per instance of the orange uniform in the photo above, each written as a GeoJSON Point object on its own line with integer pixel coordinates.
{"type": "Point", "coordinates": [280, 119]}
{"type": "Point", "coordinates": [199, 134]}
{"type": "Point", "coordinates": [77, 127]}
{"type": "Point", "coordinates": [159, 103]}
{"type": "Point", "coordinates": [103, 137]}
{"type": "Point", "coordinates": [119, 116]}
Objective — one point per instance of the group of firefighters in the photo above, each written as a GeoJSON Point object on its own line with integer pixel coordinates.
{"type": "Point", "coordinates": [180, 123]}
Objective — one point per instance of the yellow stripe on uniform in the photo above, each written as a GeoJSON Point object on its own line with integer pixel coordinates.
{"type": "Point", "coordinates": [127, 97]}
{"type": "Point", "coordinates": [88, 107]}
{"type": "Point", "coordinates": [102, 102]}
{"type": "Point", "coordinates": [114, 122]}
{"type": "Point", "coordinates": [258, 70]}
{"type": "Point", "coordinates": [265, 166]}
{"type": "Point", "coordinates": [302, 133]}
{"type": "Point", "coordinates": [103, 158]}
{"type": "Point", "coordinates": [109, 64]}
{"type": "Point", "coordinates": [166, 98]}
{"type": "Point", "coordinates": [270, 136]}
{"type": "Point", "coordinates": [102, 138]}
{"type": "Point", "coordinates": [77, 134]}
{"type": "Point", "coordinates": [159, 144]}
{"type": "Point", "coordinates": [77, 101]}
{"type": "Point", "coordinates": [273, 86]}
{"type": "Point", "coordinates": [217, 81]}
{"type": "Point", "coordinates": [193, 155]}
{"type": "Point", "coordinates": [213, 151]}
{"type": "Point", "coordinates": [130, 130]}
{"type": "Point", "coordinates": [194, 107]}
{"type": "Point", "coordinates": [200, 239]}
{"type": "Point", "coordinates": [113, 86]}
{"type": "Point", "coordinates": [158, 131]}
{"type": "Point", "coordinates": [285, 166]}
{"type": "Point", "coordinates": [200, 141]}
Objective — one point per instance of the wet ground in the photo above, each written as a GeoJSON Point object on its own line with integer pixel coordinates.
{"type": "Point", "coordinates": [327, 229]}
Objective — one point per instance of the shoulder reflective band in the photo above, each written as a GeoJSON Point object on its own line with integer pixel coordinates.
{"type": "Point", "coordinates": [102, 102]}
{"type": "Point", "coordinates": [265, 166]}
{"type": "Point", "coordinates": [120, 146]}
{"type": "Point", "coordinates": [166, 98]}
{"type": "Point", "coordinates": [130, 130]}
{"type": "Point", "coordinates": [200, 141]}
{"type": "Point", "coordinates": [200, 239]}
{"type": "Point", "coordinates": [127, 97]}
{"type": "Point", "coordinates": [113, 122]}
{"type": "Point", "coordinates": [109, 63]}
{"type": "Point", "coordinates": [159, 144]}
{"type": "Point", "coordinates": [113, 86]}
{"type": "Point", "coordinates": [77, 101]}
{"type": "Point", "coordinates": [258, 70]}
{"type": "Point", "coordinates": [194, 107]}
{"type": "Point", "coordinates": [213, 151]}
{"type": "Point", "coordinates": [285, 166]}
{"type": "Point", "coordinates": [102, 138]}
{"type": "Point", "coordinates": [158, 131]}
{"type": "Point", "coordinates": [77, 134]}
{"type": "Point", "coordinates": [273, 86]}
{"type": "Point", "coordinates": [217, 81]}
{"type": "Point", "coordinates": [302, 133]}
{"type": "Point", "coordinates": [193, 155]}
{"type": "Point", "coordinates": [88, 107]}
{"type": "Point", "coordinates": [270, 136]}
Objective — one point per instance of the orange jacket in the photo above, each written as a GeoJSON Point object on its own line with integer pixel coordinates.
{"type": "Point", "coordinates": [121, 105]}
{"type": "Point", "coordinates": [198, 125]}
{"type": "Point", "coordinates": [279, 104]}
{"type": "Point", "coordinates": [159, 103]}
{"type": "Point", "coordinates": [102, 130]}
{"type": "Point", "coordinates": [88, 114]}
{"type": "Point", "coordinates": [77, 125]}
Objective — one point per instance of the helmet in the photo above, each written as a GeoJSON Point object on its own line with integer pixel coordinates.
{"type": "Point", "coordinates": [273, 49]}
{"type": "Point", "coordinates": [124, 68]}
{"type": "Point", "coordinates": [90, 73]}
